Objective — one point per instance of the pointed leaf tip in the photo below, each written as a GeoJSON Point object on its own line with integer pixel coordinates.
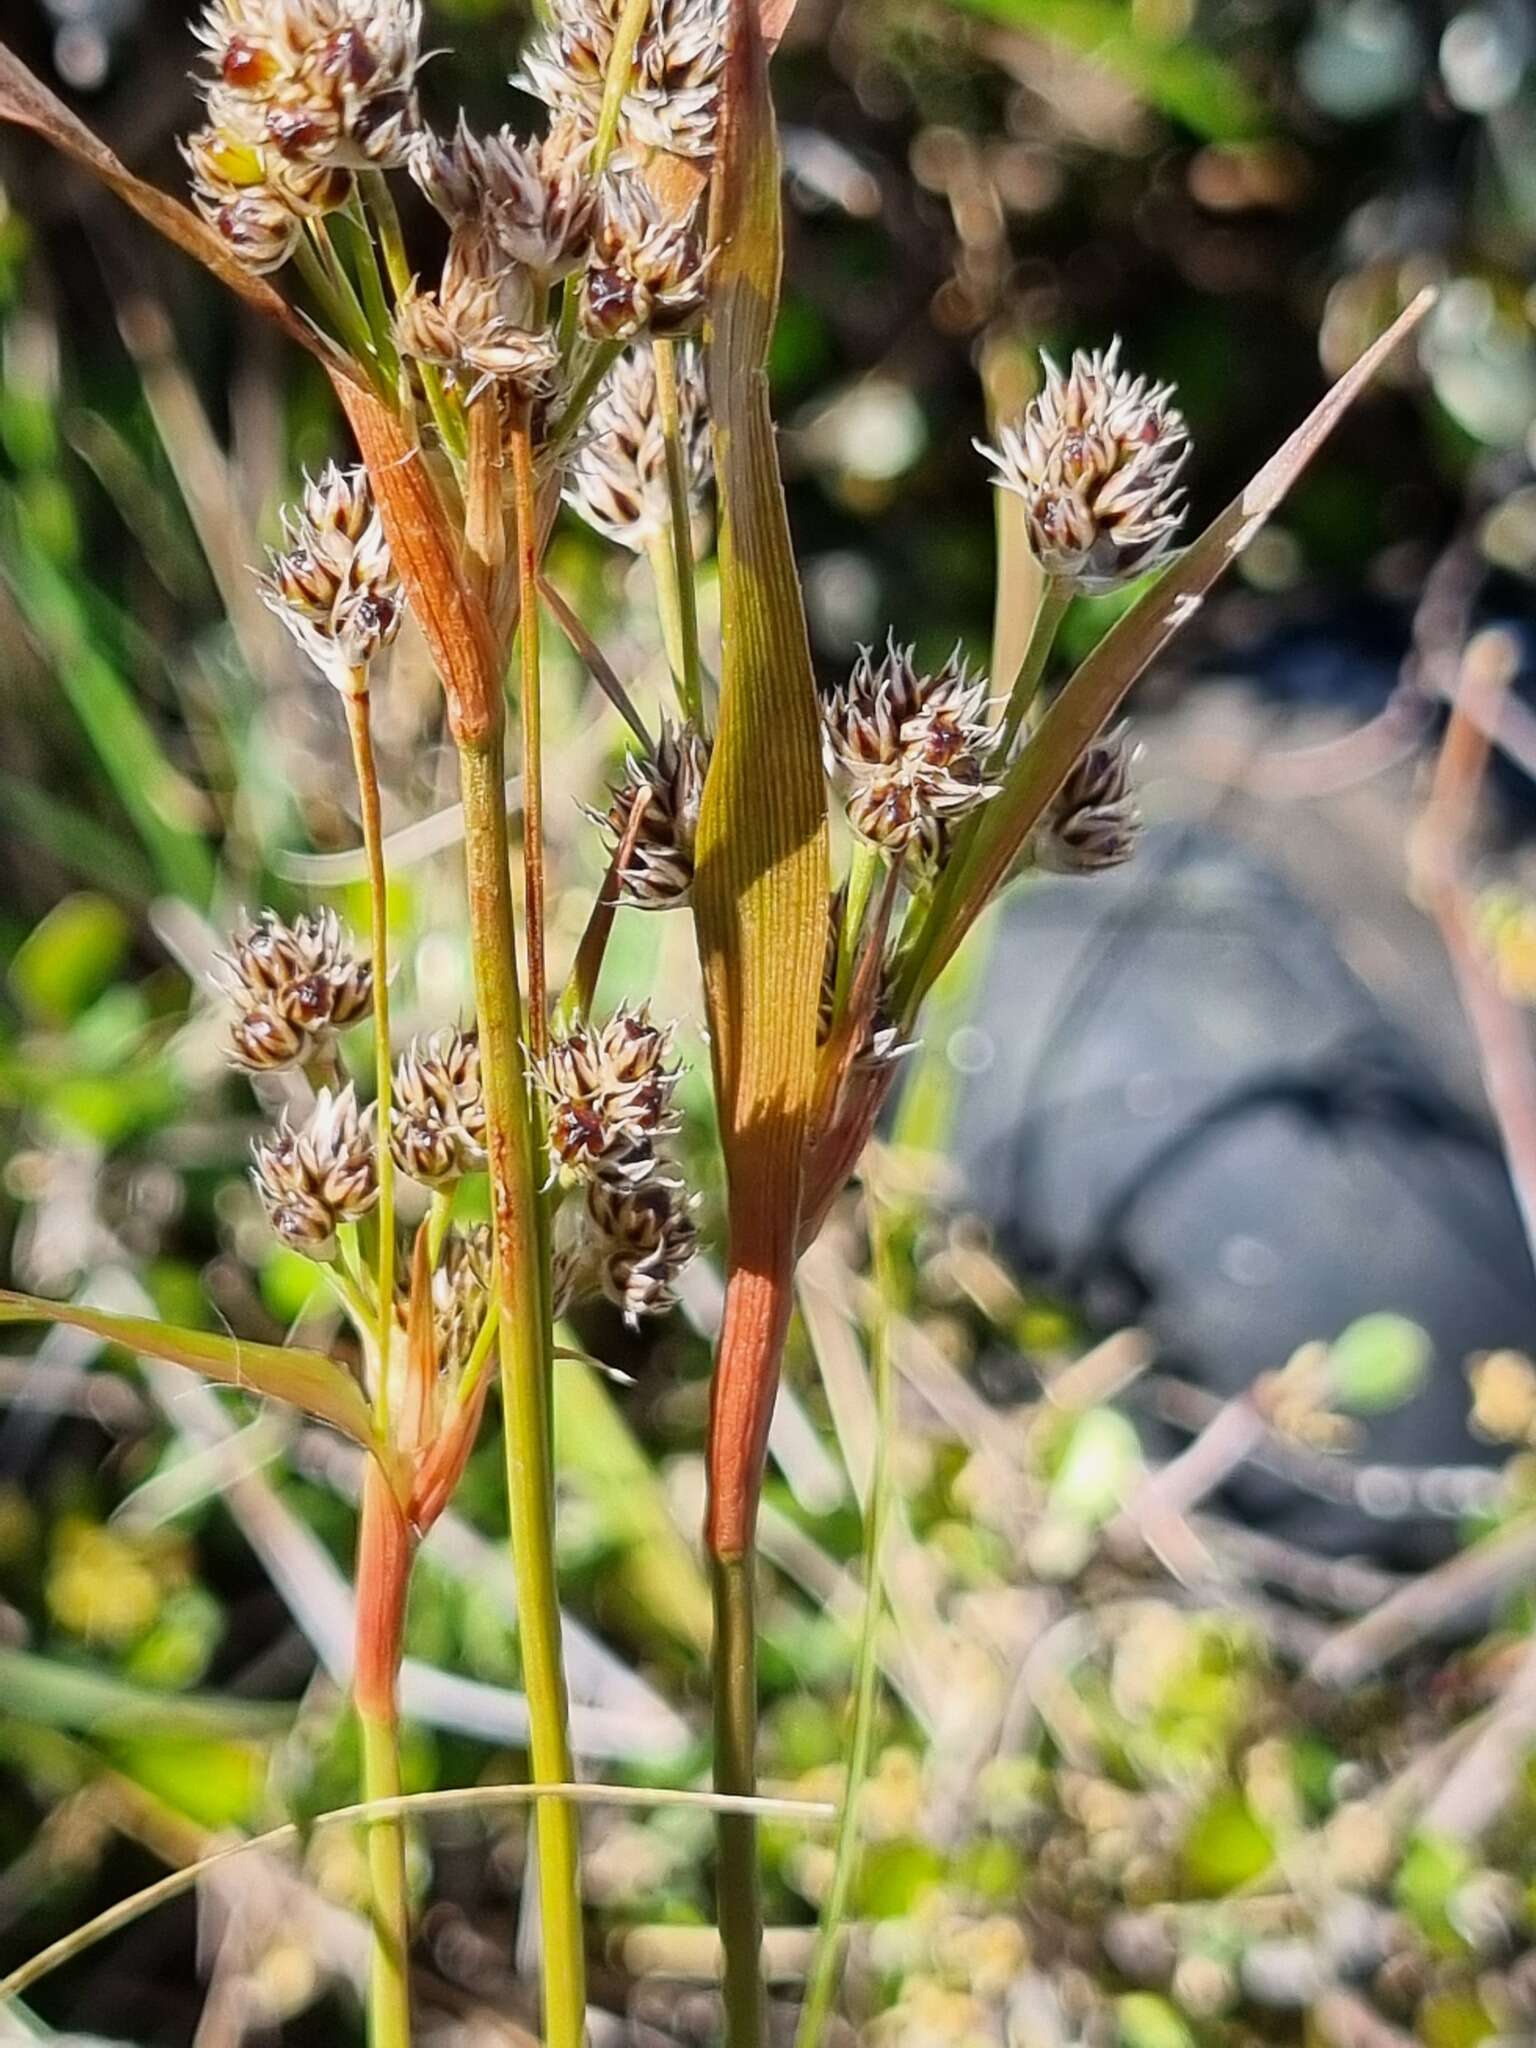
{"type": "Point", "coordinates": [306, 1380]}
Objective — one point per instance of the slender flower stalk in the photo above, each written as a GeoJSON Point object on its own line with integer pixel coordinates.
{"type": "Point", "coordinates": [738, 1891]}
{"type": "Point", "coordinates": [360, 730]}
{"type": "Point", "coordinates": [1056, 595]}
{"type": "Point", "coordinates": [690, 678]}
{"type": "Point", "coordinates": [822, 1982]}
{"type": "Point", "coordinates": [526, 1358]}
{"type": "Point", "coordinates": [531, 721]}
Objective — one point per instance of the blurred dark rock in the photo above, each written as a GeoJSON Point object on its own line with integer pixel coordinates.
{"type": "Point", "coordinates": [1213, 1129]}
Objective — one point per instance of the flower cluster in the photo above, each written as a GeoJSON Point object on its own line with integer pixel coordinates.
{"type": "Point", "coordinates": [658, 873]}
{"type": "Point", "coordinates": [609, 1093]}
{"type": "Point", "coordinates": [672, 101]}
{"type": "Point", "coordinates": [293, 986]}
{"type": "Point", "coordinates": [475, 324]}
{"type": "Point", "coordinates": [909, 751]}
{"type": "Point", "coordinates": [628, 1243]}
{"type": "Point", "coordinates": [617, 479]}
{"type": "Point", "coordinates": [314, 1178]}
{"type": "Point", "coordinates": [333, 584]}
{"type": "Point", "coordinates": [1096, 460]}
{"type": "Point", "coordinates": [533, 201]}
{"type": "Point", "coordinates": [647, 267]}
{"type": "Point", "coordinates": [437, 1109]}
{"type": "Point", "coordinates": [300, 93]}
{"type": "Point", "coordinates": [1093, 823]}
{"type": "Point", "coordinates": [461, 1294]}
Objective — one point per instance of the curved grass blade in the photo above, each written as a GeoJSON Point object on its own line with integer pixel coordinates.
{"type": "Point", "coordinates": [27, 102]}
{"type": "Point", "coordinates": [304, 1379]}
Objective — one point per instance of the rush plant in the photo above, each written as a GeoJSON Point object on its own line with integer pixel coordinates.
{"type": "Point", "coordinates": [598, 333]}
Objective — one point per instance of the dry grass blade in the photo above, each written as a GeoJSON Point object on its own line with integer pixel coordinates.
{"type": "Point", "coordinates": [28, 103]}
{"type": "Point", "coordinates": [458, 1799]}
{"type": "Point", "coordinates": [761, 889]}
{"type": "Point", "coordinates": [1136, 640]}
{"type": "Point", "coordinates": [430, 564]}
{"type": "Point", "coordinates": [305, 1379]}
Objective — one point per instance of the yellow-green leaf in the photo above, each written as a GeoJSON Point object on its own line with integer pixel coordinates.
{"type": "Point", "coordinates": [306, 1380]}
{"type": "Point", "coordinates": [761, 891]}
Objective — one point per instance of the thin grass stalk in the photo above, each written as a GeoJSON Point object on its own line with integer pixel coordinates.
{"type": "Point", "coordinates": [360, 731]}
{"type": "Point", "coordinates": [822, 1983]}
{"type": "Point", "coordinates": [526, 1362]}
{"type": "Point", "coordinates": [383, 1579]}
{"type": "Point", "coordinates": [738, 1903]}
{"type": "Point", "coordinates": [1055, 597]}
{"type": "Point", "coordinates": [531, 722]}
{"type": "Point", "coordinates": [684, 597]}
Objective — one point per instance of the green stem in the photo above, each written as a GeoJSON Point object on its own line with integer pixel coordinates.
{"type": "Point", "coordinates": [738, 1901]}
{"type": "Point", "coordinates": [593, 371]}
{"type": "Point", "coordinates": [346, 306]}
{"type": "Point", "coordinates": [365, 262]}
{"type": "Point", "coordinates": [862, 871]}
{"type": "Point", "coordinates": [360, 728]}
{"type": "Point", "coordinates": [380, 202]}
{"type": "Point", "coordinates": [389, 2002]}
{"type": "Point", "coordinates": [823, 1976]}
{"type": "Point", "coordinates": [531, 722]}
{"type": "Point", "coordinates": [527, 1365]}
{"type": "Point", "coordinates": [684, 599]}
{"type": "Point", "coordinates": [1055, 596]}
{"type": "Point", "coordinates": [438, 1218]}
{"type": "Point", "coordinates": [616, 81]}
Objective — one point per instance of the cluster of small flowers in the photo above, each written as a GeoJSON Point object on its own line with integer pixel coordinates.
{"type": "Point", "coordinates": [617, 479]}
{"type": "Point", "coordinates": [1095, 459]}
{"type": "Point", "coordinates": [300, 94]}
{"type": "Point", "coordinates": [909, 750]}
{"type": "Point", "coordinates": [317, 1176]}
{"type": "Point", "coordinates": [437, 1109]}
{"type": "Point", "coordinates": [293, 988]}
{"type": "Point", "coordinates": [333, 584]}
{"type": "Point", "coordinates": [672, 98]}
{"type": "Point", "coordinates": [303, 94]}
{"type": "Point", "coordinates": [609, 1096]}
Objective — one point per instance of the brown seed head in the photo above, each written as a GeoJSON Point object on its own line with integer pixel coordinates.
{"type": "Point", "coordinates": [437, 1109]}
{"type": "Point", "coordinates": [609, 1092]}
{"type": "Point", "coordinates": [566, 63]}
{"type": "Point", "coordinates": [673, 103]}
{"type": "Point", "coordinates": [293, 987]}
{"type": "Point", "coordinates": [314, 1179]}
{"type": "Point", "coordinates": [909, 750]}
{"type": "Point", "coordinates": [646, 271]}
{"type": "Point", "coordinates": [319, 81]}
{"type": "Point", "coordinates": [659, 872]}
{"type": "Point", "coordinates": [1096, 460]}
{"type": "Point", "coordinates": [472, 324]}
{"type": "Point", "coordinates": [334, 585]}
{"type": "Point", "coordinates": [1093, 822]}
{"type": "Point", "coordinates": [617, 478]}
{"type": "Point", "coordinates": [643, 1236]}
